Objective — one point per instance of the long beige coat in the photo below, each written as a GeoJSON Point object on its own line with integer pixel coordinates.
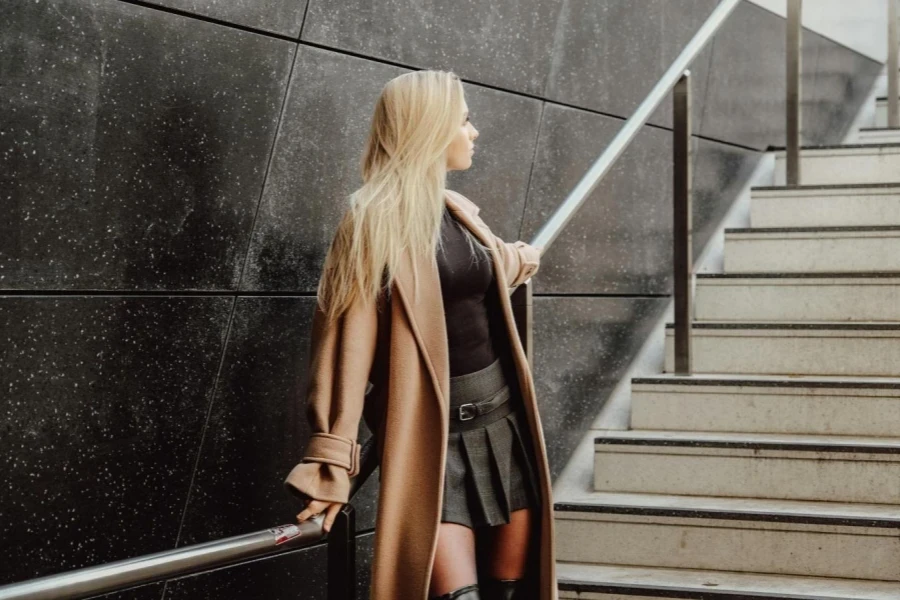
{"type": "Point", "coordinates": [403, 351]}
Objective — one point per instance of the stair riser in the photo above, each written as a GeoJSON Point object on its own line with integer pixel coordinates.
{"type": "Point", "coordinates": [881, 113]}
{"type": "Point", "coordinates": [792, 352]}
{"type": "Point", "coordinates": [825, 208]}
{"type": "Point", "coordinates": [826, 167]}
{"type": "Point", "coordinates": [841, 166]}
{"type": "Point", "coordinates": [891, 136]}
{"type": "Point", "coordinates": [797, 300]}
{"type": "Point", "coordinates": [815, 252]}
{"type": "Point", "coordinates": [782, 475]}
{"type": "Point", "coordinates": [594, 596]}
{"type": "Point", "coordinates": [808, 411]}
{"type": "Point", "coordinates": [730, 545]}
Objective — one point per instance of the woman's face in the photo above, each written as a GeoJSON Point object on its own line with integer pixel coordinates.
{"type": "Point", "coordinates": [461, 149]}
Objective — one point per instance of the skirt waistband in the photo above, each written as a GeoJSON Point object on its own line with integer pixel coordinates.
{"type": "Point", "coordinates": [477, 385]}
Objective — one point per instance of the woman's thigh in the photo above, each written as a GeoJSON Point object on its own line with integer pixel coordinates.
{"type": "Point", "coordinates": [454, 559]}
{"type": "Point", "coordinates": [508, 546]}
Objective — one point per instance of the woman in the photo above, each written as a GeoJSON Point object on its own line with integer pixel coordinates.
{"type": "Point", "coordinates": [414, 298]}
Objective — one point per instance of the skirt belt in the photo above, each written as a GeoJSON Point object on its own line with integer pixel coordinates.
{"type": "Point", "coordinates": [479, 398]}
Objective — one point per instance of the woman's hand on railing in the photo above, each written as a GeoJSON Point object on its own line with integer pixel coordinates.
{"type": "Point", "coordinates": [316, 507]}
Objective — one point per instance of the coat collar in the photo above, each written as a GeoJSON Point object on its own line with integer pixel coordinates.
{"type": "Point", "coordinates": [426, 316]}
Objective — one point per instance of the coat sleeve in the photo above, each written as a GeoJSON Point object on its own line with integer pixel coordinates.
{"type": "Point", "coordinates": [520, 260]}
{"type": "Point", "coordinates": [341, 360]}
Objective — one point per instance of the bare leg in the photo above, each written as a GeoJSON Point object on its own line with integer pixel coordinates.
{"type": "Point", "coordinates": [454, 560]}
{"type": "Point", "coordinates": [509, 546]}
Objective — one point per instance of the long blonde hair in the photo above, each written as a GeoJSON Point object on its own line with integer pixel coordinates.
{"type": "Point", "coordinates": [401, 202]}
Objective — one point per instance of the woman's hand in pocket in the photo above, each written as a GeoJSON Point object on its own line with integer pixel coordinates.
{"type": "Point", "coordinates": [315, 507]}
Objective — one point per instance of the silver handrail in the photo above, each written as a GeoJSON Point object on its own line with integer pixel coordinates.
{"type": "Point", "coordinates": [160, 566]}
{"type": "Point", "coordinates": [893, 66]}
{"type": "Point", "coordinates": [579, 194]}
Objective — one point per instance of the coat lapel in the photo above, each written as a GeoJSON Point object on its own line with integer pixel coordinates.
{"type": "Point", "coordinates": [426, 317]}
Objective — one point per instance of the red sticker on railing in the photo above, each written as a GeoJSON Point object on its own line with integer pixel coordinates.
{"type": "Point", "coordinates": [285, 533]}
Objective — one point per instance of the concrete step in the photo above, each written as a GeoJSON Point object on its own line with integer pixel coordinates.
{"type": "Point", "coordinates": [851, 406]}
{"type": "Point", "coordinates": [621, 582]}
{"type": "Point", "coordinates": [749, 465]}
{"type": "Point", "coordinates": [858, 163]}
{"type": "Point", "coordinates": [797, 297]}
{"type": "Point", "coordinates": [812, 249]}
{"type": "Point", "coordinates": [826, 205]}
{"type": "Point", "coordinates": [849, 349]}
{"type": "Point", "coordinates": [878, 135]}
{"type": "Point", "coordinates": [778, 537]}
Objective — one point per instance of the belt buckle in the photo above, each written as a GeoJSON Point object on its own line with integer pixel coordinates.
{"type": "Point", "coordinates": [463, 414]}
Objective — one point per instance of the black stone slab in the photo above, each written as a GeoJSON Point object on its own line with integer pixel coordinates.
{"type": "Point", "coordinates": [258, 428]}
{"type": "Point", "coordinates": [583, 347]}
{"type": "Point", "coordinates": [136, 143]}
{"type": "Point", "coordinates": [283, 17]}
{"type": "Point", "coordinates": [104, 400]}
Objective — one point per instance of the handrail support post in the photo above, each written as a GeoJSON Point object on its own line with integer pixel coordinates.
{"type": "Point", "coordinates": [682, 223]}
{"type": "Point", "coordinates": [893, 66]}
{"type": "Point", "coordinates": [792, 68]}
{"type": "Point", "coordinates": [342, 555]}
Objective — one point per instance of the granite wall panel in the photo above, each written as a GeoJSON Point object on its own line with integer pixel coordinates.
{"type": "Point", "coordinates": [104, 399]}
{"type": "Point", "coordinates": [257, 428]}
{"type": "Point", "coordinates": [135, 145]}
{"type": "Point", "coordinates": [583, 346]}
{"type": "Point", "coordinates": [504, 44]}
{"type": "Point", "coordinates": [282, 17]}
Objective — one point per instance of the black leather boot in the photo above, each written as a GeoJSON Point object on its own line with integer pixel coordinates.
{"type": "Point", "coordinates": [504, 589]}
{"type": "Point", "coordinates": [466, 592]}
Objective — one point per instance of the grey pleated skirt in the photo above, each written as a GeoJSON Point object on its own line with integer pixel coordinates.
{"type": "Point", "coordinates": [489, 470]}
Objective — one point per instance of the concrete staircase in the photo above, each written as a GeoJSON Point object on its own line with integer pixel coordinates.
{"type": "Point", "coordinates": [774, 471]}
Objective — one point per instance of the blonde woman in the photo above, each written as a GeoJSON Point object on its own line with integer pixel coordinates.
{"type": "Point", "coordinates": [414, 298]}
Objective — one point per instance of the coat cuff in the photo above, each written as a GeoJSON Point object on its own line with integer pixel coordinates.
{"type": "Point", "coordinates": [325, 472]}
{"type": "Point", "coordinates": [531, 258]}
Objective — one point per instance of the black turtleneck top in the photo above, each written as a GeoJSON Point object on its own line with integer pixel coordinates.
{"type": "Point", "coordinates": [470, 302]}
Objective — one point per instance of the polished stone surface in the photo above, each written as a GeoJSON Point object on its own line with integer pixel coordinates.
{"type": "Point", "coordinates": [257, 428]}
{"type": "Point", "coordinates": [315, 164]}
{"type": "Point", "coordinates": [505, 44]}
{"type": "Point", "coordinates": [582, 348]}
{"type": "Point", "coordinates": [137, 143]}
{"type": "Point", "coordinates": [284, 17]}
{"type": "Point", "coordinates": [608, 55]}
{"type": "Point", "coordinates": [105, 399]}
{"type": "Point", "coordinates": [620, 241]}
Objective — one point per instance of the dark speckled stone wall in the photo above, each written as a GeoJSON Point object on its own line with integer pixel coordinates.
{"type": "Point", "coordinates": [171, 173]}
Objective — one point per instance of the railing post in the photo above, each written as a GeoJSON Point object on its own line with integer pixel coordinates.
{"type": "Point", "coordinates": [342, 555]}
{"type": "Point", "coordinates": [792, 121]}
{"type": "Point", "coordinates": [893, 66]}
{"type": "Point", "coordinates": [521, 300]}
{"type": "Point", "coordinates": [681, 230]}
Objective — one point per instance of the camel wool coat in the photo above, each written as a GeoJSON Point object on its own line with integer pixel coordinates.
{"type": "Point", "coordinates": [400, 345]}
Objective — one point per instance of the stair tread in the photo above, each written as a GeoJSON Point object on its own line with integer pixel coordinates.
{"type": "Point", "coordinates": [837, 147]}
{"type": "Point", "coordinates": [807, 325]}
{"type": "Point", "coordinates": [769, 380]}
{"type": "Point", "coordinates": [823, 186]}
{"type": "Point", "coordinates": [813, 229]}
{"type": "Point", "coordinates": [884, 515]}
{"type": "Point", "coordinates": [599, 578]}
{"type": "Point", "coordinates": [814, 275]}
{"type": "Point", "coordinates": [858, 443]}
